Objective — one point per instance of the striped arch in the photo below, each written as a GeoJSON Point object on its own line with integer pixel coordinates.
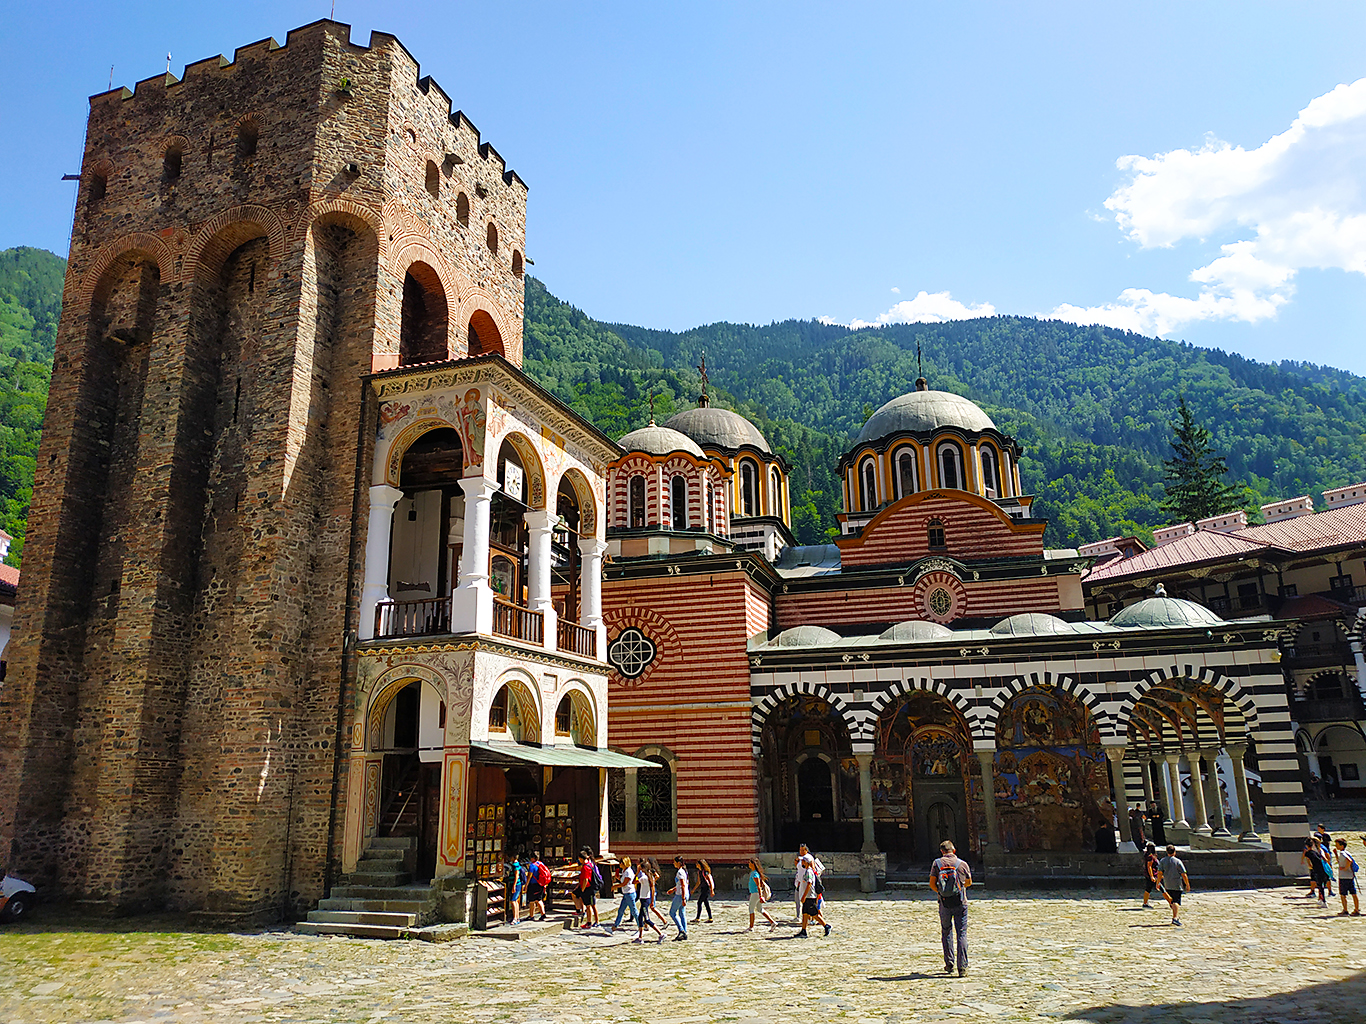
{"type": "Point", "coordinates": [343, 209]}
{"type": "Point", "coordinates": [1234, 695]}
{"type": "Point", "coordinates": [386, 687]}
{"type": "Point", "coordinates": [867, 720]}
{"type": "Point", "coordinates": [218, 236]}
{"type": "Point", "coordinates": [763, 707]}
{"type": "Point", "coordinates": [109, 253]}
{"type": "Point", "coordinates": [393, 464]}
{"type": "Point", "coordinates": [1045, 680]}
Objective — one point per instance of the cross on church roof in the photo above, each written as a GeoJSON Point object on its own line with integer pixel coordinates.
{"type": "Point", "coordinates": [703, 400]}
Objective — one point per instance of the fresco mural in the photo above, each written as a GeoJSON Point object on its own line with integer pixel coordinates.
{"type": "Point", "coordinates": [1050, 773]}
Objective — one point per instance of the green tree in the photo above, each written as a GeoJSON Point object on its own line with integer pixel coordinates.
{"type": "Point", "coordinates": [1195, 474]}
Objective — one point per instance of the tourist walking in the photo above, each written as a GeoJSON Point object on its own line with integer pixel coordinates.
{"type": "Point", "coordinates": [759, 894]}
{"type": "Point", "coordinates": [706, 888]}
{"type": "Point", "coordinates": [1152, 880]}
{"type": "Point", "coordinates": [512, 890]}
{"type": "Point", "coordinates": [1175, 882]}
{"type": "Point", "coordinates": [626, 885]}
{"type": "Point", "coordinates": [950, 878]}
{"type": "Point", "coordinates": [646, 880]}
{"type": "Point", "coordinates": [586, 895]}
{"type": "Point", "coordinates": [537, 887]}
{"type": "Point", "coordinates": [1347, 877]}
{"type": "Point", "coordinates": [811, 890]}
{"type": "Point", "coordinates": [678, 908]}
{"type": "Point", "coordinates": [1319, 870]}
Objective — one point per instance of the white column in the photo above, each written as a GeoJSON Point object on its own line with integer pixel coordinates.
{"type": "Point", "coordinates": [1177, 808]}
{"type": "Point", "coordinates": [541, 527]}
{"type": "Point", "coordinates": [1236, 752]}
{"type": "Point", "coordinates": [928, 481]}
{"type": "Point", "coordinates": [472, 600]}
{"type": "Point", "coordinates": [1201, 823]}
{"type": "Point", "coordinates": [977, 487]}
{"type": "Point", "coordinates": [987, 759]}
{"type": "Point", "coordinates": [590, 588]}
{"type": "Point", "coordinates": [376, 587]}
{"type": "Point", "coordinates": [1116, 756]}
{"type": "Point", "coordinates": [865, 789]}
{"type": "Point", "coordinates": [1357, 653]}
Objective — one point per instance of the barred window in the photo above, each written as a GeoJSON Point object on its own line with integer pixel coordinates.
{"type": "Point", "coordinates": [616, 799]}
{"type": "Point", "coordinates": [655, 798]}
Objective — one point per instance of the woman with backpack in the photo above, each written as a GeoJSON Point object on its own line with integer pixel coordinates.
{"type": "Point", "coordinates": [537, 887]}
{"type": "Point", "coordinates": [759, 894]}
{"type": "Point", "coordinates": [706, 888]}
{"type": "Point", "coordinates": [626, 884]}
{"type": "Point", "coordinates": [646, 880]}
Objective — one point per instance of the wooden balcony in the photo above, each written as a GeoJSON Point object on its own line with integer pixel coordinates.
{"type": "Point", "coordinates": [518, 623]}
{"type": "Point", "coordinates": [413, 618]}
{"type": "Point", "coordinates": [576, 639]}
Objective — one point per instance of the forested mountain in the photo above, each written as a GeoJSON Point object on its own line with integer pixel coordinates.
{"type": "Point", "coordinates": [30, 306]}
{"type": "Point", "coordinates": [1092, 406]}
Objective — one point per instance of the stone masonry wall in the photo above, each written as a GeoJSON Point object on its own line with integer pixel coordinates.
{"type": "Point", "coordinates": [168, 732]}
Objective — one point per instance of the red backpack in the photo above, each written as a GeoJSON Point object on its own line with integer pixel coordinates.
{"type": "Point", "coordinates": [542, 874]}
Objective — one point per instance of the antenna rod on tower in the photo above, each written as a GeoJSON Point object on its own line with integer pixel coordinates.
{"type": "Point", "coordinates": [111, 77]}
{"type": "Point", "coordinates": [168, 63]}
{"type": "Point", "coordinates": [919, 369]}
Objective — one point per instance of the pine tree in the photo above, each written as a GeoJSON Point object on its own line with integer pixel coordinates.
{"type": "Point", "coordinates": [1195, 474]}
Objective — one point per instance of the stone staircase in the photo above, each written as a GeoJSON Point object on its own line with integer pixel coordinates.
{"type": "Point", "coordinates": [378, 901]}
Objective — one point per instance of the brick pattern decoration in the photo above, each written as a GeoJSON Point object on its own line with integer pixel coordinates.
{"type": "Point", "coordinates": [899, 603]}
{"type": "Point", "coordinates": [694, 701]}
{"type": "Point", "coordinates": [1248, 678]}
{"type": "Point", "coordinates": [168, 732]}
{"type": "Point", "coordinates": [899, 534]}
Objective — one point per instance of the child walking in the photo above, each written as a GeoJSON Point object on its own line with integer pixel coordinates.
{"type": "Point", "coordinates": [645, 899]}
{"type": "Point", "coordinates": [759, 894]}
{"type": "Point", "coordinates": [706, 887]}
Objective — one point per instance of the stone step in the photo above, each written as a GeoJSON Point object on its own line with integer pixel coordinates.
{"type": "Point", "coordinates": [379, 879]}
{"type": "Point", "coordinates": [354, 891]}
{"type": "Point", "coordinates": [393, 920]}
{"type": "Point", "coordinates": [371, 863]}
{"type": "Point", "coordinates": [385, 853]}
{"type": "Point", "coordinates": [357, 931]}
{"type": "Point", "coordinates": [393, 843]}
{"type": "Point", "coordinates": [418, 907]}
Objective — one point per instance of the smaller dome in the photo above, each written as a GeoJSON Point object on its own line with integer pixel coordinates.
{"type": "Point", "coordinates": [1165, 613]}
{"type": "Point", "coordinates": [1031, 624]}
{"type": "Point", "coordinates": [657, 440]}
{"type": "Point", "coordinates": [915, 629]}
{"type": "Point", "coordinates": [805, 636]}
{"type": "Point", "coordinates": [719, 428]}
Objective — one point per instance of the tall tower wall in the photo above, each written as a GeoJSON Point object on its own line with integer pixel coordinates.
{"type": "Point", "coordinates": [248, 242]}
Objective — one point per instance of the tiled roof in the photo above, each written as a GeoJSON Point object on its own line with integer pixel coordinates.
{"type": "Point", "coordinates": [1314, 606]}
{"type": "Point", "coordinates": [9, 575]}
{"type": "Point", "coordinates": [1321, 531]}
{"type": "Point", "coordinates": [1204, 546]}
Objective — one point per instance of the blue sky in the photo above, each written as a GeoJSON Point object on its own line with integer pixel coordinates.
{"type": "Point", "coordinates": [1187, 169]}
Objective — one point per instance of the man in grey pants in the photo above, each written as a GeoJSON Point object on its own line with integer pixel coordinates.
{"type": "Point", "coordinates": [950, 878]}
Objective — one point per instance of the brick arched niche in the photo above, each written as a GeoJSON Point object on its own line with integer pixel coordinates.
{"type": "Point", "coordinates": [484, 336]}
{"type": "Point", "coordinates": [424, 319]}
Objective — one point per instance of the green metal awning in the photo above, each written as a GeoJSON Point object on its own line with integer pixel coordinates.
{"type": "Point", "coordinates": [571, 757]}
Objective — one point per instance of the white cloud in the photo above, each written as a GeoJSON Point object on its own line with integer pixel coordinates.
{"type": "Point", "coordinates": [896, 291]}
{"type": "Point", "coordinates": [925, 308]}
{"type": "Point", "coordinates": [1297, 201]}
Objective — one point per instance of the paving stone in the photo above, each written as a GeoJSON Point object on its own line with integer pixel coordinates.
{"type": "Point", "coordinates": [1073, 957]}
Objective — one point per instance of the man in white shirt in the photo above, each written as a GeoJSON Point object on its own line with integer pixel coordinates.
{"type": "Point", "coordinates": [809, 892]}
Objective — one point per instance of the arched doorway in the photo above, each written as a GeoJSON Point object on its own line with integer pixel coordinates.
{"type": "Point", "coordinates": [423, 317]}
{"type": "Point", "coordinates": [484, 336]}
{"type": "Point", "coordinates": [426, 539]}
{"type": "Point", "coordinates": [409, 735]}
{"type": "Point", "coordinates": [1050, 773]}
{"type": "Point", "coordinates": [920, 769]}
{"type": "Point", "coordinates": [810, 778]}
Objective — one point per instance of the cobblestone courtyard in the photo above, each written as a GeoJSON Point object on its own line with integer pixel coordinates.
{"type": "Point", "coordinates": [1267, 955]}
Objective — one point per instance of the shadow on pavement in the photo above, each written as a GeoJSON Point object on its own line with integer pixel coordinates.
{"type": "Point", "coordinates": [1326, 1003]}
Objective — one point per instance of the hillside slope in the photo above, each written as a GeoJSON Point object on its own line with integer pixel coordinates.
{"type": "Point", "coordinates": [1092, 406]}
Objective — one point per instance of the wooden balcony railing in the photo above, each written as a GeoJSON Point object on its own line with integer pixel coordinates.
{"type": "Point", "coordinates": [413, 618]}
{"type": "Point", "coordinates": [576, 639]}
{"type": "Point", "coordinates": [512, 620]}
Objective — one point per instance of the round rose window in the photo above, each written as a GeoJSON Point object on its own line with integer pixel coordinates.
{"type": "Point", "coordinates": [940, 601]}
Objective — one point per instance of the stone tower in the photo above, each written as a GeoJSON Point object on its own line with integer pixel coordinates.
{"type": "Point", "coordinates": [249, 243]}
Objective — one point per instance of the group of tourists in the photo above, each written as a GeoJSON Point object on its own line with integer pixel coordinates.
{"type": "Point", "coordinates": [1327, 858]}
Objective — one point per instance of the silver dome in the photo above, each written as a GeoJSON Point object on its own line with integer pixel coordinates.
{"type": "Point", "coordinates": [1031, 624]}
{"type": "Point", "coordinates": [657, 440]}
{"type": "Point", "coordinates": [1165, 613]}
{"type": "Point", "coordinates": [717, 428]}
{"type": "Point", "coordinates": [805, 636]}
{"type": "Point", "coordinates": [923, 412]}
{"type": "Point", "coordinates": [915, 629]}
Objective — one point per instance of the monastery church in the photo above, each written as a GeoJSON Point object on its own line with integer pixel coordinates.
{"type": "Point", "coordinates": [317, 578]}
